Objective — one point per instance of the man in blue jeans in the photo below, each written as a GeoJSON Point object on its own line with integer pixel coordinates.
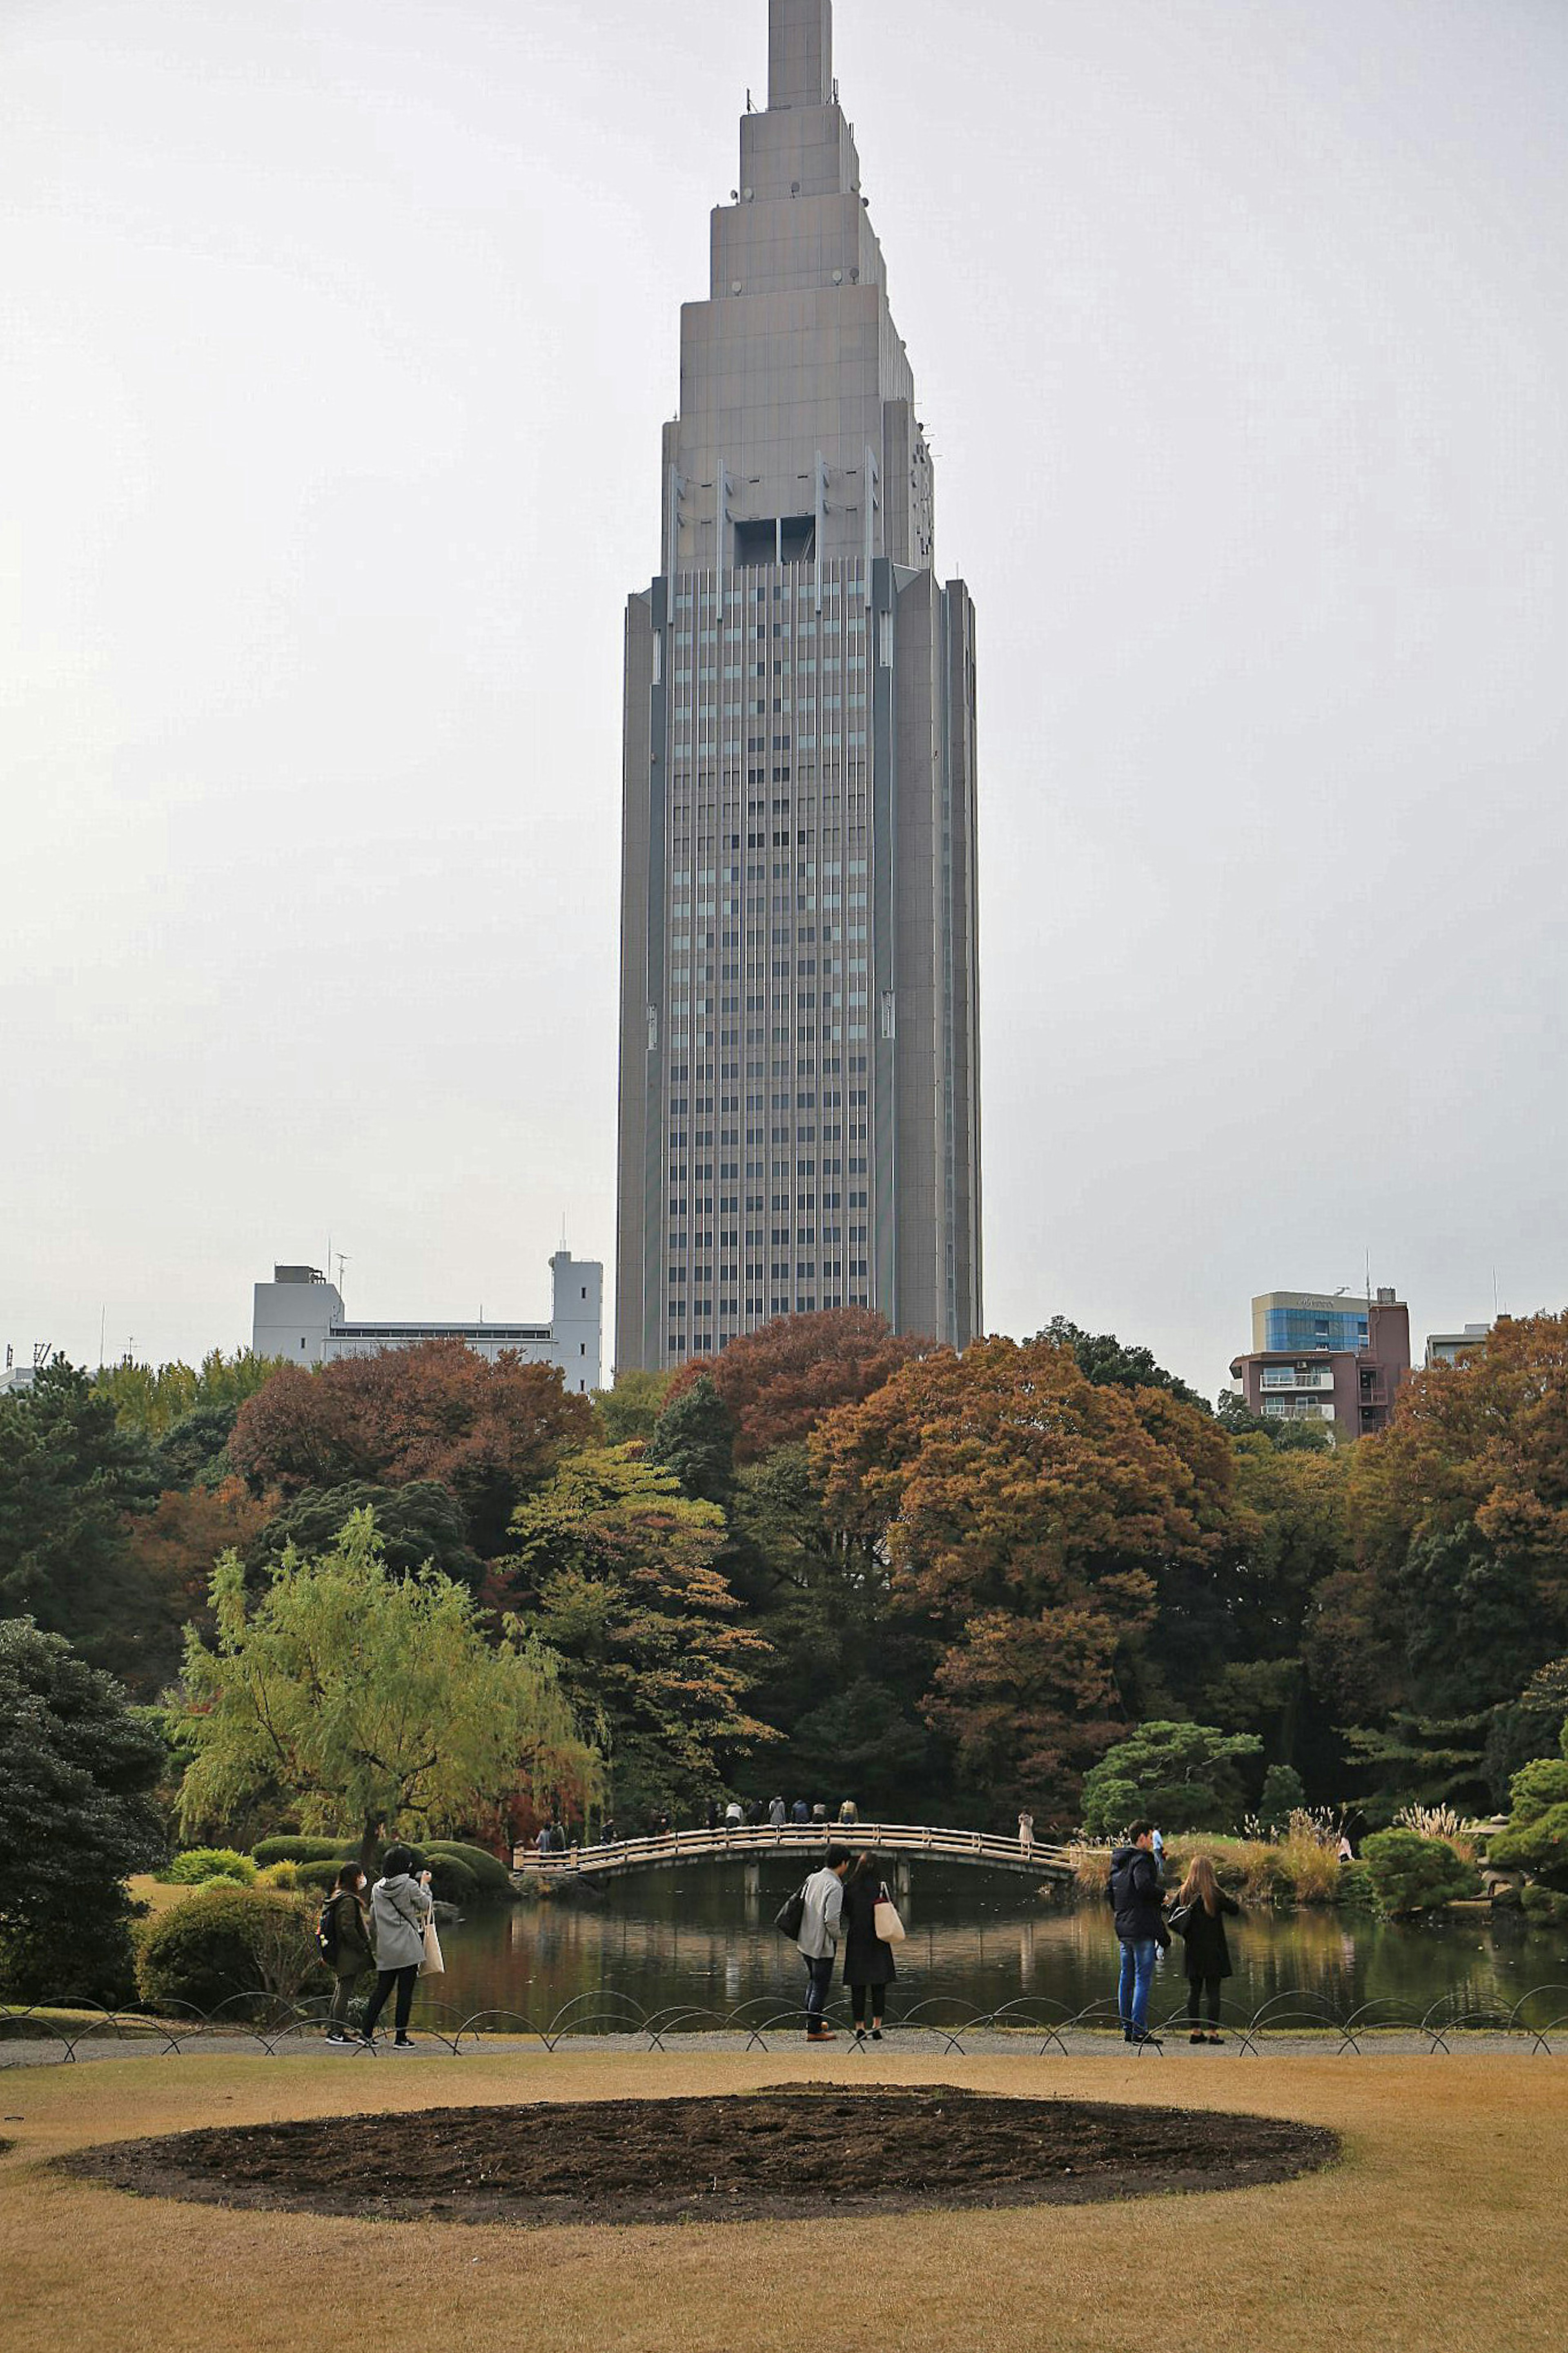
{"type": "Point", "coordinates": [1137, 1902]}
{"type": "Point", "coordinates": [820, 1928]}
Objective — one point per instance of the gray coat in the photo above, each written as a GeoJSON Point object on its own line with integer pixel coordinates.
{"type": "Point", "coordinates": [398, 1910]}
{"type": "Point", "coordinates": [820, 1930]}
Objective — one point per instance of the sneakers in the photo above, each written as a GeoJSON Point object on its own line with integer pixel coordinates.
{"type": "Point", "coordinates": [876, 2034]}
{"type": "Point", "coordinates": [1145, 2041]}
{"type": "Point", "coordinates": [341, 2035]}
{"type": "Point", "coordinates": [1216, 2038]}
{"type": "Point", "coordinates": [404, 2042]}
{"type": "Point", "coordinates": [1197, 2035]}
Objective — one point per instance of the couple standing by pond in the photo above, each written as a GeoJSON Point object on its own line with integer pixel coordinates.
{"type": "Point", "coordinates": [845, 1906]}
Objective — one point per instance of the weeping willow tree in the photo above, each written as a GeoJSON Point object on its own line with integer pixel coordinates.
{"type": "Point", "coordinates": [367, 1701]}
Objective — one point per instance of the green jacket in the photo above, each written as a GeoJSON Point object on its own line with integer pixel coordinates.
{"type": "Point", "coordinates": [353, 1955]}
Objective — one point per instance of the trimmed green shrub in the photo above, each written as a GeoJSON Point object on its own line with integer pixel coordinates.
{"type": "Point", "coordinates": [451, 1880]}
{"type": "Point", "coordinates": [279, 1874]}
{"type": "Point", "coordinates": [319, 1876]}
{"type": "Point", "coordinates": [1539, 1843]}
{"type": "Point", "coordinates": [1537, 1788]}
{"type": "Point", "coordinates": [198, 1864]}
{"type": "Point", "coordinates": [1183, 1775]}
{"type": "Point", "coordinates": [299, 1850]}
{"type": "Point", "coordinates": [1357, 1892]}
{"type": "Point", "coordinates": [1546, 1905]}
{"type": "Point", "coordinates": [1411, 1873]}
{"type": "Point", "coordinates": [493, 1877]}
{"type": "Point", "coordinates": [224, 1942]}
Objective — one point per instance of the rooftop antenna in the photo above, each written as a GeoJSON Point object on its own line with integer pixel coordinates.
{"type": "Point", "coordinates": [342, 1261]}
{"type": "Point", "coordinates": [102, 1320]}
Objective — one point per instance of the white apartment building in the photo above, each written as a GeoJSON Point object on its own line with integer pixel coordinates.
{"type": "Point", "coordinates": [300, 1316]}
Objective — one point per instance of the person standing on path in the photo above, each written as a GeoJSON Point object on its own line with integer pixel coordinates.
{"type": "Point", "coordinates": [1199, 1921]}
{"type": "Point", "coordinates": [869, 1967]}
{"type": "Point", "coordinates": [350, 1951]}
{"type": "Point", "coordinates": [1026, 1834]}
{"type": "Point", "coordinates": [399, 1907]}
{"type": "Point", "coordinates": [820, 1928]}
{"type": "Point", "coordinates": [1138, 1904]}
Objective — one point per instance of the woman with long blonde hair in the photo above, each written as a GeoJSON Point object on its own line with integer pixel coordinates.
{"type": "Point", "coordinates": [1199, 1919]}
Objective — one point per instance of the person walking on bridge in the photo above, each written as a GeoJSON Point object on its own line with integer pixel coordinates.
{"type": "Point", "coordinates": [1137, 1902]}
{"type": "Point", "coordinates": [821, 1927]}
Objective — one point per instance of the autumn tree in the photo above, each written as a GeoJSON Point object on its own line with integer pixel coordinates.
{"type": "Point", "coordinates": [175, 1546]}
{"type": "Point", "coordinates": [777, 1384]}
{"type": "Point", "coordinates": [488, 1431]}
{"type": "Point", "coordinates": [365, 1701]}
{"type": "Point", "coordinates": [1028, 1517]}
{"type": "Point", "coordinates": [615, 1569]}
{"type": "Point", "coordinates": [1458, 1512]}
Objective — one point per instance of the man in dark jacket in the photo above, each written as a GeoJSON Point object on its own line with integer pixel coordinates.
{"type": "Point", "coordinates": [1139, 1905]}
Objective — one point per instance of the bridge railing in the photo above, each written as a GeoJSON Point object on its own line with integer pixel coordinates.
{"type": "Point", "coordinates": [804, 1838]}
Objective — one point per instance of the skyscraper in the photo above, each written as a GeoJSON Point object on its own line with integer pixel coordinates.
{"type": "Point", "coordinates": [800, 1087]}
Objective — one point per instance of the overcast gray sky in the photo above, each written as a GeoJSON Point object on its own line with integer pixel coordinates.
{"type": "Point", "coordinates": [336, 341]}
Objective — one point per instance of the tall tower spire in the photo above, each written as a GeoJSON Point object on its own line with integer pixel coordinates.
{"type": "Point", "coordinates": [800, 53]}
{"type": "Point", "coordinates": [800, 1088]}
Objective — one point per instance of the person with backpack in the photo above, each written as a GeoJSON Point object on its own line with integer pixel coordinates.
{"type": "Point", "coordinates": [1199, 1920]}
{"type": "Point", "coordinates": [400, 1906]}
{"type": "Point", "coordinates": [342, 1938]}
{"type": "Point", "coordinates": [868, 1968]}
{"type": "Point", "coordinates": [1138, 1902]}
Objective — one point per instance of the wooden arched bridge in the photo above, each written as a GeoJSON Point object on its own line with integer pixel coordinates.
{"type": "Point", "coordinates": [902, 1841]}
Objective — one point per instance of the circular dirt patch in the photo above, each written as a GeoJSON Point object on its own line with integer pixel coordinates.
{"type": "Point", "coordinates": [771, 2153]}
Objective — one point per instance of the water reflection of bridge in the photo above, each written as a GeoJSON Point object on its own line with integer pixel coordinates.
{"type": "Point", "coordinates": [904, 1843]}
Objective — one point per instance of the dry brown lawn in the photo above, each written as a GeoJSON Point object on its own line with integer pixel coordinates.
{"type": "Point", "coordinates": [157, 1897]}
{"type": "Point", "coordinates": [1443, 2228]}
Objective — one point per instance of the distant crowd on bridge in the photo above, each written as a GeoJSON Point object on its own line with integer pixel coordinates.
{"type": "Point", "coordinates": [721, 1814]}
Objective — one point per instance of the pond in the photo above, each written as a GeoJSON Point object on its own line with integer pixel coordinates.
{"type": "Point", "coordinates": [693, 1940]}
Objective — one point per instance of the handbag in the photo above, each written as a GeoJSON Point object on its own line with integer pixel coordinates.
{"type": "Point", "coordinates": [432, 1965]}
{"type": "Point", "coordinates": [1178, 1918]}
{"type": "Point", "coordinates": [885, 1922]}
{"type": "Point", "coordinates": [791, 1914]}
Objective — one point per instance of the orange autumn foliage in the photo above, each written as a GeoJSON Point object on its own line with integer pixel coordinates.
{"type": "Point", "coordinates": [1026, 1514]}
{"type": "Point", "coordinates": [778, 1383]}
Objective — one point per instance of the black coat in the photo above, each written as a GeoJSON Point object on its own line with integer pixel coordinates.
{"type": "Point", "coordinates": [1203, 1932]}
{"type": "Point", "coordinates": [1136, 1896]}
{"type": "Point", "coordinates": [868, 1961]}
